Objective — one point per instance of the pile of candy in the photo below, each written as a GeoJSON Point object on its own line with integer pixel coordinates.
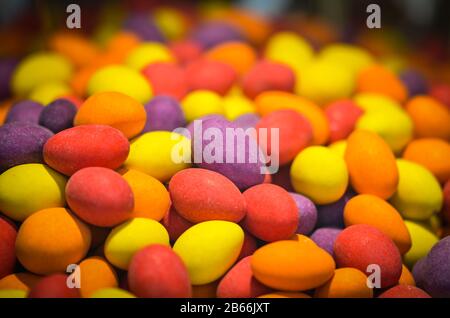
{"type": "Point", "coordinates": [88, 178]}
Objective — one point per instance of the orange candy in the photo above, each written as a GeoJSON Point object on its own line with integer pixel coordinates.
{"type": "Point", "coordinates": [21, 281]}
{"type": "Point", "coordinates": [238, 55]}
{"type": "Point", "coordinates": [433, 154]}
{"type": "Point", "coordinates": [430, 117]}
{"type": "Point", "coordinates": [378, 79]}
{"type": "Point", "coordinates": [151, 199]}
{"type": "Point", "coordinates": [51, 239]}
{"type": "Point", "coordinates": [347, 282]}
{"type": "Point", "coordinates": [4, 109]}
{"type": "Point", "coordinates": [292, 265]}
{"type": "Point", "coordinates": [371, 210]}
{"type": "Point", "coordinates": [96, 273]}
{"type": "Point", "coordinates": [270, 101]}
{"type": "Point", "coordinates": [122, 43]}
{"type": "Point", "coordinates": [114, 109]}
{"type": "Point", "coordinates": [205, 291]}
{"type": "Point", "coordinates": [371, 164]}
{"type": "Point", "coordinates": [406, 278]}
{"type": "Point", "coordinates": [285, 295]}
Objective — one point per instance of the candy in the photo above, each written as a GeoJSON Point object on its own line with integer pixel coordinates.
{"type": "Point", "coordinates": [268, 102]}
{"type": "Point", "coordinates": [446, 210]}
{"type": "Point", "coordinates": [272, 213]}
{"type": "Point", "coordinates": [151, 199]}
{"type": "Point", "coordinates": [342, 116]}
{"type": "Point", "coordinates": [268, 76]}
{"type": "Point", "coordinates": [325, 238]}
{"type": "Point", "coordinates": [200, 103]}
{"type": "Point", "coordinates": [346, 283]}
{"type": "Point", "coordinates": [332, 215]}
{"type": "Point", "coordinates": [86, 146]}
{"type": "Point", "coordinates": [19, 281]}
{"type": "Point", "coordinates": [156, 272]}
{"type": "Point", "coordinates": [75, 47]}
{"type": "Point", "coordinates": [209, 249]}
{"type": "Point", "coordinates": [239, 55]}
{"type": "Point", "coordinates": [166, 79]}
{"type": "Point", "coordinates": [236, 106]}
{"type": "Point", "coordinates": [202, 195]}
{"type": "Point", "coordinates": [419, 194]}
{"type": "Point", "coordinates": [8, 234]}
{"type": "Point", "coordinates": [294, 133]}
{"type": "Point", "coordinates": [352, 57]}
{"type": "Point", "coordinates": [21, 143]}
{"type": "Point", "coordinates": [29, 72]}
{"type": "Point", "coordinates": [185, 51]}
{"type": "Point", "coordinates": [319, 174]}
{"type": "Point", "coordinates": [249, 246]}
{"type": "Point", "coordinates": [376, 248]}
{"type": "Point", "coordinates": [95, 274]}
{"type": "Point", "coordinates": [48, 92]}
{"type": "Point", "coordinates": [285, 295]}
{"type": "Point", "coordinates": [414, 81]}
{"type": "Point", "coordinates": [371, 164]}
{"type": "Point", "coordinates": [205, 74]}
{"type": "Point", "coordinates": [120, 79]}
{"type": "Point", "coordinates": [214, 33]}
{"type": "Point", "coordinates": [422, 241]}
{"type": "Point", "coordinates": [371, 210]}
{"type": "Point", "coordinates": [147, 53]}
{"type": "Point", "coordinates": [431, 118]}
{"type": "Point", "coordinates": [433, 154]}
{"type": "Point", "coordinates": [404, 291]}
{"type": "Point", "coordinates": [13, 293]}
{"type": "Point", "coordinates": [175, 224]}
{"type": "Point", "coordinates": [407, 277]}
{"type": "Point", "coordinates": [153, 154]}
{"type": "Point", "coordinates": [163, 113]}
{"type": "Point", "coordinates": [53, 286]}
{"type": "Point", "coordinates": [59, 239]}
{"type": "Point", "coordinates": [239, 282]}
{"type": "Point", "coordinates": [307, 212]}
{"type": "Point", "coordinates": [246, 121]}
{"type": "Point", "coordinates": [112, 293]}
{"type": "Point", "coordinates": [129, 237]}
{"type": "Point", "coordinates": [26, 111]}
{"type": "Point", "coordinates": [144, 28]}
{"type": "Point", "coordinates": [58, 115]}
{"type": "Point", "coordinates": [99, 196]}
{"type": "Point", "coordinates": [292, 266]}
{"type": "Point", "coordinates": [28, 188]}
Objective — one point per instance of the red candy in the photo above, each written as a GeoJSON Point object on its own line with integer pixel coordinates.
{"type": "Point", "coordinates": [342, 116]}
{"type": "Point", "coordinates": [175, 224]}
{"type": "Point", "coordinates": [53, 286]}
{"type": "Point", "coordinates": [86, 146]}
{"type": "Point", "coordinates": [271, 213]}
{"type": "Point", "coordinates": [249, 246]}
{"type": "Point", "coordinates": [267, 76]}
{"type": "Point", "coordinates": [295, 133]}
{"type": "Point", "coordinates": [99, 196]}
{"type": "Point", "coordinates": [404, 291]}
{"type": "Point", "coordinates": [202, 195]}
{"type": "Point", "coordinates": [8, 235]}
{"type": "Point", "coordinates": [185, 51]}
{"type": "Point", "coordinates": [361, 245]}
{"type": "Point", "coordinates": [446, 209]}
{"type": "Point", "coordinates": [239, 282]}
{"type": "Point", "coordinates": [157, 272]}
{"type": "Point", "coordinates": [210, 75]}
{"type": "Point", "coordinates": [166, 79]}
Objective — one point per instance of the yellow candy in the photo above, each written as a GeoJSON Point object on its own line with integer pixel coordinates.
{"type": "Point", "coordinates": [201, 103]}
{"type": "Point", "coordinates": [209, 249]}
{"type": "Point", "coordinates": [122, 79]}
{"type": "Point", "coordinates": [290, 49]}
{"type": "Point", "coordinates": [422, 242]}
{"type": "Point", "coordinates": [13, 293]}
{"type": "Point", "coordinates": [324, 82]}
{"type": "Point", "coordinates": [129, 237]}
{"type": "Point", "coordinates": [375, 102]}
{"type": "Point", "coordinates": [419, 194]}
{"type": "Point", "coordinates": [320, 174]}
{"type": "Point", "coordinates": [170, 22]}
{"type": "Point", "coordinates": [112, 293]}
{"type": "Point", "coordinates": [48, 92]}
{"type": "Point", "coordinates": [236, 106]}
{"type": "Point", "coordinates": [28, 188]}
{"type": "Point", "coordinates": [350, 56]}
{"type": "Point", "coordinates": [147, 53]}
{"type": "Point", "coordinates": [153, 152]}
{"type": "Point", "coordinates": [338, 147]}
{"type": "Point", "coordinates": [37, 69]}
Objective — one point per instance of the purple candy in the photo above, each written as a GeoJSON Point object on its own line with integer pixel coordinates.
{"type": "Point", "coordinates": [190, 127]}
{"type": "Point", "coordinates": [432, 272]}
{"type": "Point", "coordinates": [332, 215]}
{"type": "Point", "coordinates": [243, 174]}
{"type": "Point", "coordinates": [7, 67]}
{"type": "Point", "coordinates": [143, 27]}
{"type": "Point", "coordinates": [415, 82]}
{"type": "Point", "coordinates": [58, 115]}
{"type": "Point", "coordinates": [21, 143]}
{"type": "Point", "coordinates": [247, 121]}
{"type": "Point", "coordinates": [325, 237]}
{"type": "Point", "coordinates": [307, 212]}
{"type": "Point", "coordinates": [26, 111]}
{"type": "Point", "coordinates": [214, 33]}
{"type": "Point", "coordinates": [163, 113]}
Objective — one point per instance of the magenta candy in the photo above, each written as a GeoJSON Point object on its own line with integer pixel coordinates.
{"type": "Point", "coordinates": [27, 111]}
